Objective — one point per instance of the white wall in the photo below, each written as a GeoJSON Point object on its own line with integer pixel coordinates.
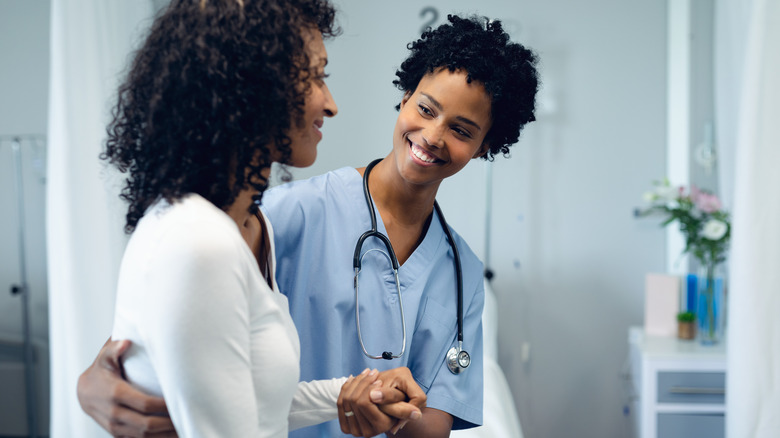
{"type": "Point", "coordinates": [569, 257]}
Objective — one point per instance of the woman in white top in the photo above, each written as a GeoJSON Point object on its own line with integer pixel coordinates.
{"type": "Point", "coordinates": [219, 90]}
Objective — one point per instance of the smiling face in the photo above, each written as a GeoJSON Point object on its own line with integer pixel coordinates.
{"type": "Point", "coordinates": [441, 126]}
{"type": "Point", "coordinates": [319, 104]}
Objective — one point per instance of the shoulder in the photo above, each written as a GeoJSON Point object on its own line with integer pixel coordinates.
{"type": "Point", "coordinates": [312, 188]}
{"type": "Point", "coordinates": [189, 228]}
{"type": "Point", "coordinates": [283, 202]}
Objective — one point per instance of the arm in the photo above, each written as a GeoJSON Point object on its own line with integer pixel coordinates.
{"type": "Point", "coordinates": [315, 402]}
{"type": "Point", "coordinates": [114, 404]}
{"type": "Point", "coordinates": [434, 424]}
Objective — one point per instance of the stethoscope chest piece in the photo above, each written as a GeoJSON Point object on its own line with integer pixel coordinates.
{"type": "Point", "coordinates": [458, 360]}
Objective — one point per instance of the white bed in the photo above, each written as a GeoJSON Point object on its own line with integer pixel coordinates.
{"type": "Point", "coordinates": [499, 416]}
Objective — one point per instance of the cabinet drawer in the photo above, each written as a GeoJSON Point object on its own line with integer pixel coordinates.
{"type": "Point", "coordinates": [691, 387]}
{"type": "Point", "coordinates": [691, 425]}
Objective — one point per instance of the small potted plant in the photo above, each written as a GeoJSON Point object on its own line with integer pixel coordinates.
{"type": "Point", "coordinates": [686, 329]}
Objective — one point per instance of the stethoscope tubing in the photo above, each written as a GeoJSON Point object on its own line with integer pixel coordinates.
{"type": "Point", "coordinates": [357, 261]}
{"type": "Point", "coordinates": [458, 270]}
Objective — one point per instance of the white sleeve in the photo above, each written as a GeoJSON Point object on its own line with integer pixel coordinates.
{"type": "Point", "coordinates": [315, 402]}
{"type": "Point", "coordinates": [197, 326]}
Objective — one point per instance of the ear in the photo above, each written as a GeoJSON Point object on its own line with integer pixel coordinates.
{"type": "Point", "coordinates": [483, 149]}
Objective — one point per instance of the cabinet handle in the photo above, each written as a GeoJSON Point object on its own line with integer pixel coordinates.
{"type": "Point", "coordinates": [694, 390]}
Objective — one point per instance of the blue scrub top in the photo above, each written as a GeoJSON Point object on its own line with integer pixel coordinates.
{"type": "Point", "coordinates": [316, 225]}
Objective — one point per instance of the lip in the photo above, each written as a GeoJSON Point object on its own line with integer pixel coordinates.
{"type": "Point", "coordinates": [317, 127]}
{"type": "Point", "coordinates": [412, 145]}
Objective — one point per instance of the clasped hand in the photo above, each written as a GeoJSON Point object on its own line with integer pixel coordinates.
{"type": "Point", "coordinates": [375, 402]}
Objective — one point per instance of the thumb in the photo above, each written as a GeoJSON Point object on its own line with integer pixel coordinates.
{"type": "Point", "coordinates": [112, 352]}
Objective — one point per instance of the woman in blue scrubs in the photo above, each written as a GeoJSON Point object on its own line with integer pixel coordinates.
{"type": "Point", "coordinates": [467, 93]}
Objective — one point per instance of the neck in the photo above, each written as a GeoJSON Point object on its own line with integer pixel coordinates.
{"type": "Point", "coordinates": [406, 203]}
{"type": "Point", "coordinates": [239, 209]}
{"type": "Point", "coordinates": [405, 208]}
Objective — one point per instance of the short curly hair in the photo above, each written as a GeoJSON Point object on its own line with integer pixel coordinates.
{"type": "Point", "coordinates": [210, 98]}
{"type": "Point", "coordinates": [483, 50]}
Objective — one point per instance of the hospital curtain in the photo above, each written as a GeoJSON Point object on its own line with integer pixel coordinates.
{"type": "Point", "coordinates": [731, 30]}
{"type": "Point", "coordinates": [753, 382]}
{"type": "Point", "coordinates": [90, 44]}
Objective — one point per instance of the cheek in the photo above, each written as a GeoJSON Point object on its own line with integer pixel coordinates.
{"type": "Point", "coordinates": [405, 122]}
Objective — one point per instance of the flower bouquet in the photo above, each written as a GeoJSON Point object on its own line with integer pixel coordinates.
{"type": "Point", "coordinates": [707, 229]}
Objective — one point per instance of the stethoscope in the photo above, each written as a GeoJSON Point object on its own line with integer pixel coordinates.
{"type": "Point", "coordinates": [457, 358]}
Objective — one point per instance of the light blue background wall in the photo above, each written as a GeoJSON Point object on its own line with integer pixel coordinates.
{"type": "Point", "coordinates": [569, 257]}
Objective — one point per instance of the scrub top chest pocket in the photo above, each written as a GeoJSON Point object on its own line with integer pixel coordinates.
{"type": "Point", "coordinates": [433, 335]}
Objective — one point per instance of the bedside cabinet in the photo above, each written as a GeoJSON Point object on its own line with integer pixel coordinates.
{"type": "Point", "coordinates": [679, 387]}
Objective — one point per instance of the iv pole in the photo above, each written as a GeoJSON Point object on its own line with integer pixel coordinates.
{"type": "Point", "coordinates": [23, 290]}
{"type": "Point", "coordinates": [488, 216]}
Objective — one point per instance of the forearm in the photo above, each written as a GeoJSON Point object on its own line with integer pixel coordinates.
{"type": "Point", "coordinates": [315, 402]}
{"type": "Point", "coordinates": [433, 424]}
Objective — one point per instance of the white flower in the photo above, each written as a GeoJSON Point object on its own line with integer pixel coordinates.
{"type": "Point", "coordinates": [666, 193]}
{"type": "Point", "coordinates": [649, 196]}
{"type": "Point", "coordinates": [714, 229]}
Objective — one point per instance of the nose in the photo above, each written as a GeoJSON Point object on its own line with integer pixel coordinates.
{"type": "Point", "coordinates": [330, 104]}
{"type": "Point", "coordinates": [434, 134]}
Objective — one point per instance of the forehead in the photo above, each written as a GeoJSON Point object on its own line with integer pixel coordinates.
{"type": "Point", "coordinates": [315, 46]}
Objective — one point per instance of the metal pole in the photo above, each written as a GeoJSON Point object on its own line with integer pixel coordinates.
{"type": "Point", "coordinates": [29, 365]}
{"type": "Point", "coordinates": [488, 216]}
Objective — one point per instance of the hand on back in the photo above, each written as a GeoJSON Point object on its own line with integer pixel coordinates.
{"type": "Point", "coordinates": [117, 407]}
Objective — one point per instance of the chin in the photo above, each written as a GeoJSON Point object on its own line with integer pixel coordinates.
{"type": "Point", "coordinates": [302, 162]}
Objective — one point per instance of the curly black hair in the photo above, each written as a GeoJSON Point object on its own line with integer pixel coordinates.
{"type": "Point", "coordinates": [210, 97]}
{"type": "Point", "coordinates": [482, 49]}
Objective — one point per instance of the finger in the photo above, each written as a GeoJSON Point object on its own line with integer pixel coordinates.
{"type": "Point", "coordinates": [349, 425]}
{"type": "Point", "coordinates": [387, 395]}
{"type": "Point", "coordinates": [359, 426]}
{"type": "Point", "coordinates": [125, 431]}
{"type": "Point", "coordinates": [126, 395]}
{"type": "Point", "coordinates": [370, 419]}
{"type": "Point", "coordinates": [340, 404]}
{"type": "Point", "coordinates": [402, 379]}
{"type": "Point", "coordinates": [401, 410]}
{"type": "Point", "coordinates": [162, 435]}
{"type": "Point", "coordinates": [398, 427]}
{"type": "Point", "coordinates": [111, 353]}
{"type": "Point", "coordinates": [136, 424]}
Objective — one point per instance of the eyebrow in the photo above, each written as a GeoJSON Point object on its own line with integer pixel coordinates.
{"type": "Point", "coordinates": [460, 118]}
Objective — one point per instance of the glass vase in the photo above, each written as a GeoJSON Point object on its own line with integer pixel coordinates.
{"type": "Point", "coordinates": [710, 301]}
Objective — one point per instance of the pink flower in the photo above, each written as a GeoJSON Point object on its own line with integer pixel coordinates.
{"type": "Point", "coordinates": [707, 203]}
{"type": "Point", "coordinates": [695, 192]}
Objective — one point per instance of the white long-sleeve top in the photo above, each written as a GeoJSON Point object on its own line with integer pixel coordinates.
{"type": "Point", "coordinates": [208, 333]}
